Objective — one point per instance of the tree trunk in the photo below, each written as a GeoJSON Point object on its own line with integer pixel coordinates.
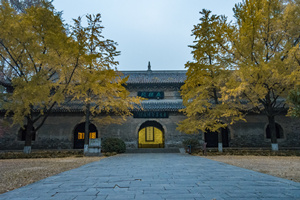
{"type": "Point", "coordinates": [220, 142]}
{"type": "Point", "coordinates": [28, 136]}
{"type": "Point", "coordinates": [272, 129]}
{"type": "Point", "coordinates": [215, 95]}
{"type": "Point", "coordinates": [87, 128]}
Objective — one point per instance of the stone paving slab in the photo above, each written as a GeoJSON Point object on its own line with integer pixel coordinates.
{"type": "Point", "coordinates": [158, 176]}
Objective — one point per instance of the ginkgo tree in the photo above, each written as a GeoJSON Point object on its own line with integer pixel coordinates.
{"type": "Point", "coordinates": [96, 82]}
{"type": "Point", "coordinates": [294, 99]}
{"type": "Point", "coordinates": [37, 62]}
{"type": "Point", "coordinates": [205, 77]}
{"type": "Point", "coordinates": [261, 47]}
{"type": "Point", "coordinates": [265, 46]}
{"type": "Point", "coordinates": [46, 64]}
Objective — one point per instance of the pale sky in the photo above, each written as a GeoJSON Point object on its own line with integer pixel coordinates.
{"type": "Point", "coordinates": [158, 31]}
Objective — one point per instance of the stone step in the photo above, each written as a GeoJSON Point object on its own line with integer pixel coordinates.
{"type": "Point", "coordinates": [153, 150]}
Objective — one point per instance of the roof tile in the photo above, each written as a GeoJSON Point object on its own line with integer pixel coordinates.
{"type": "Point", "coordinates": [143, 77]}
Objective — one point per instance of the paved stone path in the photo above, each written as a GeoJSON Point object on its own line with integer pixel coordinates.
{"type": "Point", "coordinates": [158, 176]}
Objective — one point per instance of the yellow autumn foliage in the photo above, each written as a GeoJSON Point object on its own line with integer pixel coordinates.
{"type": "Point", "coordinates": [248, 65]}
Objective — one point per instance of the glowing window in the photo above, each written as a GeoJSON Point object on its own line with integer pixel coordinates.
{"type": "Point", "coordinates": [80, 136]}
{"type": "Point", "coordinates": [93, 135]}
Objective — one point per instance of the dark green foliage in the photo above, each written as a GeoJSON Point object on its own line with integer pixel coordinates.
{"type": "Point", "coordinates": [113, 145]}
{"type": "Point", "coordinates": [193, 142]}
{"type": "Point", "coordinates": [41, 154]}
{"type": "Point", "coordinates": [294, 99]}
{"type": "Point", "coordinates": [247, 152]}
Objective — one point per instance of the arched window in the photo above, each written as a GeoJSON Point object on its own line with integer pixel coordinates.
{"type": "Point", "coordinates": [279, 131]}
{"type": "Point", "coordinates": [151, 135]}
{"type": "Point", "coordinates": [22, 134]}
{"type": "Point", "coordinates": [79, 134]}
{"type": "Point", "coordinates": [211, 138]}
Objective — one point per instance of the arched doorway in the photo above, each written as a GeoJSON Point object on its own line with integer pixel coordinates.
{"type": "Point", "coordinates": [279, 131]}
{"type": "Point", "coordinates": [79, 135]}
{"type": "Point", "coordinates": [151, 135]}
{"type": "Point", "coordinates": [211, 138]}
{"type": "Point", "coordinates": [22, 133]}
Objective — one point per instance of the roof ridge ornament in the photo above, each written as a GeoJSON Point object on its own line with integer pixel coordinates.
{"type": "Point", "coordinates": [149, 67]}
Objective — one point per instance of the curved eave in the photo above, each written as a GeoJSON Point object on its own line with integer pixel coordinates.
{"type": "Point", "coordinates": [160, 105]}
{"type": "Point", "coordinates": [147, 105]}
{"type": "Point", "coordinates": [155, 77]}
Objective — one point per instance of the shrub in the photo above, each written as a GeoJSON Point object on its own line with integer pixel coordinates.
{"type": "Point", "coordinates": [113, 145]}
{"type": "Point", "coordinates": [193, 142]}
{"type": "Point", "coordinates": [36, 153]}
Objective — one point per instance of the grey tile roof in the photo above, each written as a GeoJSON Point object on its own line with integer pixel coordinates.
{"type": "Point", "coordinates": [161, 105]}
{"type": "Point", "coordinates": [148, 77]}
{"type": "Point", "coordinates": [147, 105]}
{"type": "Point", "coordinates": [142, 77]}
{"type": "Point", "coordinates": [69, 107]}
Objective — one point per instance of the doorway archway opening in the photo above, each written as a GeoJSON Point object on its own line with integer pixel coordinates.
{"type": "Point", "coordinates": [151, 135]}
{"type": "Point", "coordinates": [79, 134]}
{"type": "Point", "coordinates": [211, 138]}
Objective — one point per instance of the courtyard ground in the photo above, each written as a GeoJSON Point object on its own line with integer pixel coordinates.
{"type": "Point", "coordinates": [15, 173]}
{"type": "Point", "coordinates": [284, 167]}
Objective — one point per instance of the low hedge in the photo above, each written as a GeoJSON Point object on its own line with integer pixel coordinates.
{"type": "Point", "coordinates": [41, 154]}
{"type": "Point", "coordinates": [113, 145]}
{"type": "Point", "coordinates": [247, 152]}
{"type": "Point", "coordinates": [194, 143]}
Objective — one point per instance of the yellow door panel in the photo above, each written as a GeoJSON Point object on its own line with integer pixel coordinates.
{"type": "Point", "coordinates": [142, 136]}
{"type": "Point", "coordinates": [149, 134]}
{"type": "Point", "coordinates": [151, 137]}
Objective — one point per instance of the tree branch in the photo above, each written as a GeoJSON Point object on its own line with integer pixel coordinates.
{"type": "Point", "coordinates": [20, 73]}
{"type": "Point", "coordinates": [45, 116]}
